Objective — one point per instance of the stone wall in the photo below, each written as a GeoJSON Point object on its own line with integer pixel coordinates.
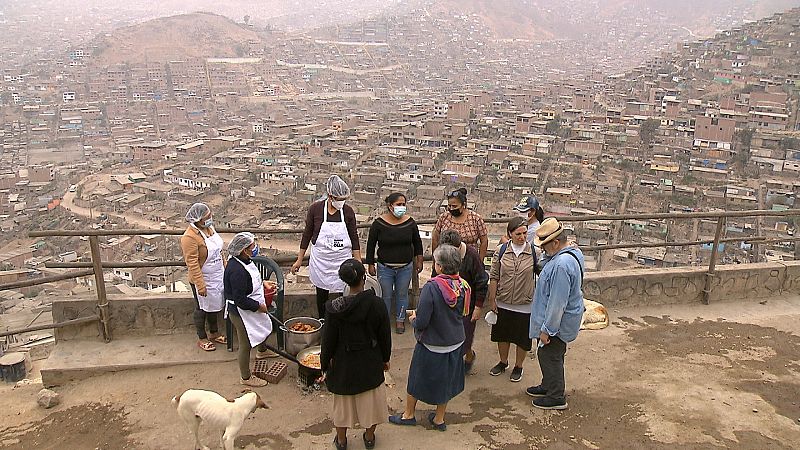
{"type": "Point", "coordinates": [685, 285]}
{"type": "Point", "coordinates": [172, 313]}
{"type": "Point", "coordinates": [149, 315]}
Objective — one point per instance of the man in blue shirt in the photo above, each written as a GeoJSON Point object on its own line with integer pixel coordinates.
{"type": "Point", "coordinates": [557, 311]}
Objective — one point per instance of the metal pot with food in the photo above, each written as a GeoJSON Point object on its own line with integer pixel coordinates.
{"type": "Point", "coordinates": [308, 363]}
{"type": "Point", "coordinates": [309, 366]}
{"type": "Point", "coordinates": [301, 333]}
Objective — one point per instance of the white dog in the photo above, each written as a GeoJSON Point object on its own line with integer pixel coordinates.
{"type": "Point", "coordinates": [196, 406]}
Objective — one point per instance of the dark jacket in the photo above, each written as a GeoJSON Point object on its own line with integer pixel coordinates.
{"type": "Point", "coordinates": [238, 285]}
{"type": "Point", "coordinates": [473, 272]}
{"type": "Point", "coordinates": [436, 322]}
{"type": "Point", "coordinates": [356, 342]}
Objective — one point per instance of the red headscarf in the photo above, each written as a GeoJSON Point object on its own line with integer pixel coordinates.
{"type": "Point", "coordinates": [451, 287]}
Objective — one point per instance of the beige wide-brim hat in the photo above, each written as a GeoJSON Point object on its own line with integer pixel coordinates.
{"type": "Point", "coordinates": [548, 230]}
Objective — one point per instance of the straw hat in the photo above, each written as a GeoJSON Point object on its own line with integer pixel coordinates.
{"type": "Point", "coordinates": [548, 230]}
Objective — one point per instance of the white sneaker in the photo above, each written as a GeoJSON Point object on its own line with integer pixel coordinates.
{"type": "Point", "coordinates": [254, 381]}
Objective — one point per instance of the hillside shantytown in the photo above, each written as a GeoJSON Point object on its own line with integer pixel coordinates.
{"type": "Point", "coordinates": [126, 123]}
{"type": "Point", "coordinates": [93, 140]}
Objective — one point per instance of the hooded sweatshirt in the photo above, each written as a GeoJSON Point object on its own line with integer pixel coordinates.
{"type": "Point", "coordinates": [356, 342]}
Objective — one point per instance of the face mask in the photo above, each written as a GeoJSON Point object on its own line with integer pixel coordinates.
{"type": "Point", "coordinates": [456, 212]}
{"type": "Point", "coordinates": [208, 223]}
{"type": "Point", "coordinates": [399, 211]}
{"type": "Point", "coordinates": [255, 251]}
{"type": "Point", "coordinates": [338, 204]}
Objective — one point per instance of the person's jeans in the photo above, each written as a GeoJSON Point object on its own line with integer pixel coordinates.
{"type": "Point", "coordinates": [551, 361]}
{"type": "Point", "coordinates": [394, 284]}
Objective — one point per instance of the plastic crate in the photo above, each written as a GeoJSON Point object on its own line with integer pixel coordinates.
{"type": "Point", "coordinates": [273, 373]}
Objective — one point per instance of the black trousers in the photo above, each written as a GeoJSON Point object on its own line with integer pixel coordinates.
{"type": "Point", "coordinates": [201, 318]}
{"type": "Point", "coordinates": [551, 361]}
{"type": "Point", "coordinates": [323, 295]}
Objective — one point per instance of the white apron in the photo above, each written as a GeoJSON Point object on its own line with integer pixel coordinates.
{"type": "Point", "coordinates": [213, 272]}
{"type": "Point", "coordinates": [257, 324]}
{"type": "Point", "coordinates": [333, 247]}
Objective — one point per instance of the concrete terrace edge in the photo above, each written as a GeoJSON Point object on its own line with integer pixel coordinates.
{"type": "Point", "coordinates": [172, 313]}
{"type": "Point", "coordinates": [52, 375]}
{"type": "Point", "coordinates": [143, 316]}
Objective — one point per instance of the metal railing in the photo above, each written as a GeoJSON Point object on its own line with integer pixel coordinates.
{"type": "Point", "coordinates": [97, 266]}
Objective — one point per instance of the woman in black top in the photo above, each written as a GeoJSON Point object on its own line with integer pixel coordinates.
{"type": "Point", "coordinates": [399, 245]}
{"type": "Point", "coordinates": [356, 346]}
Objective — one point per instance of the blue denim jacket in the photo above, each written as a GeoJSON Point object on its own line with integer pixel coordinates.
{"type": "Point", "coordinates": [558, 301]}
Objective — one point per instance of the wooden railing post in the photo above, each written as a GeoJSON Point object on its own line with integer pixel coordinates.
{"type": "Point", "coordinates": [713, 263]}
{"type": "Point", "coordinates": [100, 287]}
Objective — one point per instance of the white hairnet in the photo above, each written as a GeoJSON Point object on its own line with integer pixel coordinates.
{"type": "Point", "coordinates": [197, 212]}
{"type": "Point", "coordinates": [337, 187]}
{"type": "Point", "coordinates": [240, 242]}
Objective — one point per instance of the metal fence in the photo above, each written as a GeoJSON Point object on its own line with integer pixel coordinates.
{"type": "Point", "coordinates": [97, 266]}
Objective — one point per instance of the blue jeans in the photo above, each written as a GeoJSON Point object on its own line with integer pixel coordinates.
{"type": "Point", "coordinates": [394, 283]}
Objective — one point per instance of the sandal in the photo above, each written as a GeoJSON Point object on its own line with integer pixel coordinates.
{"type": "Point", "coordinates": [438, 426]}
{"type": "Point", "coordinates": [338, 445]}
{"type": "Point", "coordinates": [207, 346]}
{"type": "Point", "coordinates": [220, 340]}
{"type": "Point", "coordinates": [468, 364]}
{"type": "Point", "coordinates": [398, 419]}
{"type": "Point", "coordinates": [367, 443]}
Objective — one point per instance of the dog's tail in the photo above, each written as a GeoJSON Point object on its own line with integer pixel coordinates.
{"type": "Point", "coordinates": [176, 400]}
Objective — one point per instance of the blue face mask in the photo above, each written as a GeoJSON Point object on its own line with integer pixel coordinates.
{"type": "Point", "coordinates": [399, 211]}
{"type": "Point", "coordinates": [255, 251]}
{"type": "Point", "coordinates": [208, 223]}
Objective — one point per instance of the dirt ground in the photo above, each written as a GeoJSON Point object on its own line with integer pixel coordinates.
{"type": "Point", "coordinates": [690, 377]}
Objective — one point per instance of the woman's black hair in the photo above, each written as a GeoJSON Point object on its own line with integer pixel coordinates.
{"type": "Point", "coordinates": [460, 194]}
{"type": "Point", "coordinates": [393, 197]}
{"type": "Point", "coordinates": [539, 213]}
{"type": "Point", "coordinates": [515, 223]}
{"type": "Point", "coordinates": [352, 272]}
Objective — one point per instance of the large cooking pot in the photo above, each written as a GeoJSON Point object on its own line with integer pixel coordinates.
{"type": "Point", "coordinates": [297, 341]}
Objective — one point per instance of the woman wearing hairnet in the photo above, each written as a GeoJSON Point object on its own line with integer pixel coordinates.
{"type": "Point", "coordinates": [331, 229]}
{"type": "Point", "coordinates": [246, 305]}
{"type": "Point", "coordinates": [202, 252]}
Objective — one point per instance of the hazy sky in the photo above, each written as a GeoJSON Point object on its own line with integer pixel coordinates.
{"type": "Point", "coordinates": [311, 13]}
{"type": "Point", "coordinates": [65, 23]}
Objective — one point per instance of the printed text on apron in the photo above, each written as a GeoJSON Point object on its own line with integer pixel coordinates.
{"type": "Point", "coordinates": [333, 247]}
